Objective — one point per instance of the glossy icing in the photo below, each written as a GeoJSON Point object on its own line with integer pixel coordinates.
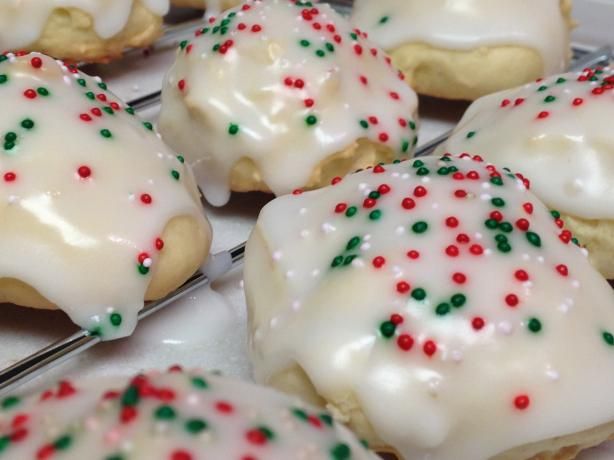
{"type": "Point", "coordinates": [444, 297]}
{"type": "Point", "coordinates": [86, 190]}
{"type": "Point", "coordinates": [469, 24]}
{"type": "Point", "coordinates": [557, 131]}
{"type": "Point", "coordinates": [175, 416]}
{"type": "Point", "coordinates": [286, 86]}
{"type": "Point", "coordinates": [23, 21]}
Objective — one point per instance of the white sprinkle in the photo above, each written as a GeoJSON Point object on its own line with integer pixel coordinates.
{"type": "Point", "coordinates": [132, 197]}
{"type": "Point", "coordinates": [564, 308]}
{"type": "Point", "coordinates": [97, 79]}
{"type": "Point", "coordinates": [485, 196]}
{"type": "Point", "coordinates": [365, 246]}
{"type": "Point", "coordinates": [478, 236]}
{"type": "Point", "coordinates": [305, 233]}
{"type": "Point", "coordinates": [193, 399]}
{"type": "Point", "coordinates": [67, 80]}
{"type": "Point", "coordinates": [358, 263]}
{"type": "Point", "coordinates": [241, 284]}
{"type": "Point", "coordinates": [405, 176]}
{"type": "Point", "coordinates": [147, 262]}
{"type": "Point", "coordinates": [289, 274]}
{"type": "Point", "coordinates": [302, 211]}
{"type": "Point", "coordinates": [400, 230]}
{"type": "Point", "coordinates": [526, 257]}
{"type": "Point", "coordinates": [367, 237]}
{"type": "Point", "coordinates": [426, 180]}
{"type": "Point", "coordinates": [435, 206]}
{"type": "Point", "coordinates": [552, 374]}
{"type": "Point", "coordinates": [296, 305]}
{"type": "Point", "coordinates": [362, 186]}
{"type": "Point", "coordinates": [13, 199]}
{"type": "Point", "coordinates": [487, 252]}
{"type": "Point", "coordinates": [457, 356]}
{"type": "Point", "coordinates": [486, 185]}
{"type": "Point", "coordinates": [327, 227]}
{"type": "Point", "coordinates": [398, 271]}
{"type": "Point", "coordinates": [395, 174]}
{"type": "Point", "coordinates": [505, 328]}
{"type": "Point", "coordinates": [315, 273]}
{"type": "Point", "coordinates": [277, 255]}
{"type": "Point", "coordinates": [575, 284]}
{"type": "Point", "coordinates": [274, 322]}
{"type": "Point", "coordinates": [584, 252]}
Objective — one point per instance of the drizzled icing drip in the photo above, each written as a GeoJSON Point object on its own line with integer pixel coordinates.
{"type": "Point", "coordinates": [175, 416]}
{"type": "Point", "coordinates": [22, 22]}
{"type": "Point", "coordinates": [557, 131]}
{"type": "Point", "coordinates": [86, 190]}
{"type": "Point", "coordinates": [469, 24]}
{"type": "Point", "coordinates": [444, 297]}
{"type": "Point", "coordinates": [287, 85]}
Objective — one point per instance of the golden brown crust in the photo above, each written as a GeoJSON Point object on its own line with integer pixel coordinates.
{"type": "Point", "coordinates": [363, 153]}
{"type": "Point", "coordinates": [597, 235]}
{"type": "Point", "coordinates": [452, 74]}
{"type": "Point", "coordinates": [69, 34]}
{"type": "Point", "coordinates": [186, 245]}
{"type": "Point", "coordinates": [202, 4]}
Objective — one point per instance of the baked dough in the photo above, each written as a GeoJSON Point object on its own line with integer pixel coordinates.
{"type": "Point", "coordinates": [437, 308]}
{"type": "Point", "coordinates": [215, 6]}
{"type": "Point", "coordinates": [556, 132]}
{"type": "Point", "coordinates": [97, 213]}
{"type": "Point", "coordinates": [80, 30]}
{"type": "Point", "coordinates": [289, 97]}
{"type": "Point", "coordinates": [178, 415]}
{"type": "Point", "coordinates": [464, 50]}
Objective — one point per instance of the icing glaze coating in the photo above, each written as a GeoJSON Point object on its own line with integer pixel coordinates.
{"type": "Point", "coordinates": [285, 85]}
{"type": "Point", "coordinates": [22, 22]}
{"type": "Point", "coordinates": [444, 298]}
{"type": "Point", "coordinates": [86, 190]}
{"type": "Point", "coordinates": [557, 132]}
{"type": "Point", "coordinates": [173, 416]}
{"type": "Point", "coordinates": [469, 24]}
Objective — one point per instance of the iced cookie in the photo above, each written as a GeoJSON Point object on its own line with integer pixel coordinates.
{"type": "Point", "coordinates": [80, 30]}
{"type": "Point", "coordinates": [96, 213]}
{"type": "Point", "coordinates": [468, 48]}
{"type": "Point", "coordinates": [556, 131]}
{"type": "Point", "coordinates": [439, 309]}
{"type": "Point", "coordinates": [278, 95]}
{"type": "Point", "coordinates": [173, 416]}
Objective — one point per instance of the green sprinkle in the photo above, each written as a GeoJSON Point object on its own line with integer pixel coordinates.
{"type": "Point", "coordinates": [534, 325]}
{"type": "Point", "coordinates": [311, 120]}
{"type": "Point", "coordinates": [233, 129]}
{"type": "Point", "coordinates": [542, 88]}
{"type": "Point", "coordinates": [330, 47]}
{"type": "Point", "coordinates": [353, 36]}
{"type": "Point", "coordinates": [148, 125]}
{"type": "Point", "coordinates": [442, 309]}
{"type": "Point", "coordinates": [130, 110]}
{"type": "Point", "coordinates": [549, 99]}
{"type": "Point", "coordinates": [63, 442]}
{"type": "Point", "coordinates": [375, 215]}
{"type": "Point", "coordinates": [43, 91]}
{"type": "Point", "coordinates": [418, 294]}
{"type": "Point", "coordinates": [387, 328]}
{"type": "Point", "coordinates": [195, 426]}
{"type": "Point", "coordinates": [336, 261]}
{"type": "Point", "coordinates": [353, 243]}
{"type": "Point", "coordinates": [82, 82]}
{"type": "Point", "coordinates": [496, 180]}
{"type": "Point", "coordinates": [341, 452]}
{"type": "Point", "coordinates": [131, 396]}
{"type": "Point", "coordinates": [417, 164]}
{"type": "Point", "coordinates": [106, 133]}
{"type": "Point", "coordinates": [199, 382]}
{"type": "Point", "coordinates": [3, 79]}
{"type": "Point", "coordinates": [165, 413]}
{"type": "Point", "coordinates": [412, 125]}
{"type": "Point", "coordinates": [181, 159]}
{"type": "Point", "coordinates": [116, 319]}
{"type": "Point", "coordinates": [608, 338]}
{"type": "Point", "coordinates": [506, 227]}
{"type": "Point", "coordinates": [422, 172]}
{"type": "Point", "coordinates": [10, 402]}
{"type": "Point", "coordinates": [470, 134]}
{"type": "Point", "coordinates": [491, 224]}
{"type": "Point", "coordinates": [183, 44]}
{"type": "Point", "coordinates": [102, 85]}
{"type": "Point", "coordinates": [267, 432]}
{"type": "Point", "coordinates": [504, 247]}
{"type": "Point", "coordinates": [115, 457]}
{"type": "Point", "coordinates": [4, 443]}
{"type": "Point", "coordinates": [300, 414]}
{"type": "Point", "coordinates": [351, 211]}
{"type": "Point", "coordinates": [143, 270]}
{"type": "Point", "coordinates": [375, 195]}
{"type": "Point", "coordinates": [3, 58]}
{"type": "Point", "coordinates": [405, 145]}
{"type": "Point", "coordinates": [560, 80]}
{"type": "Point", "coordinates": [26, 123]}
{"type": "Point", "coordinates": [90, 95]}
{"type": "Point", "coordinates": [10, 137]}
{"type": "Point", "coordinates": [364, 124]}
{"type": "Point", "coordinates": [9, 145]}
{"type": "Point", "coordinates": [500, 238]}
{"type": "Point", "coordinates": [498, 202]}
{"type": "Point", "coordinates": [443, 171]}
{"type": "Point", "coordinates": [534, 239]}
{"type": "Point", "coordinates": [458, 300]}
{"type": "Point", "coordinates": [384, 19]}
{"type": "Point", "coordinates": [175, 174]}
{"type": "Point", "coordinates": [320, 53]}
{"type": "Point", "coordinates": [349, 259]}
{"type": "Point", "coordinates": [305, 43]}
{"type": "Point", "coordinates": [555, 214]}
{"type": "Point", "coordinates": [327, 418]}
{"type": "Point", "coordinates": [420, 227]}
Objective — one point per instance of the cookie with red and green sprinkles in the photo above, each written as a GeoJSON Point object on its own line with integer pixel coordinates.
{"type": "Point", "coordinates": [557, 132]}
{"type": "Point", "coordinates": [177, 415]}
{"type": "Point", "coordinates": [438, 300]}
{"type": "Point", "coordinates": [280, 94]}
{"type": "Point", "coordinates": [88, 193]}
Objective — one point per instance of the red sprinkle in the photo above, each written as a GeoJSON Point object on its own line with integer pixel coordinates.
{"type": "Point", "coordinates": [562, 269]}
{"type": "Point", "coordinates": [379, 262]}
{"type": "Point", "coordinates": [36, 62]}
{"type": "Point", "coordinates": [429, 348]}
{"type": "Point", "coordinates": [413, 254]}
{"type": "Point", "coordinates": [84, 172]}
{"type": "Point", "coordinates": [146, 198]}
{"type": "Point", "coordinates": [405, 342]}
{"type": "Point", "coordinates": [522, 402]}
{"type": "Point", "coordinates": [403, 287]}
{"type": "Point", "coordinates": [459, 278]}
{"type": "Point", "coordinates": [521, 275]}
{"type": "Point", "coordinates": [181, 455]}
{"type": "Point", "coordinates": [511, 300]}
{"type": "Point", "coordinates": [477, 323]}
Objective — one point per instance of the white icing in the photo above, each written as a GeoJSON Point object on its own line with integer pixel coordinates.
{"type": "Point", "coordinates": [246, 87]}
{"type": "Point", "coordinates": [77, 239]}
{"type": "Point", "coordinates": [469, 24]}
{"type": "Point", "coordinates": [458, 403]}
{"type": "Point", "coordinates": [225, 416]}
{"type": "Point", "coordinates": [567, 155]}
{"type": "Point", "coordinates": [23, 21]}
